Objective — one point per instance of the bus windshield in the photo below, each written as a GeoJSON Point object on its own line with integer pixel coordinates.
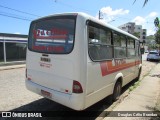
{"type": "Point", "coordinates": [54, 35]}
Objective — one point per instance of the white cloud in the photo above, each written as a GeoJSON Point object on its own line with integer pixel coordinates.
{"type": "Point", "coordinates": [152, 15]}
{"type": "Point", "coordinates": [17, 33]}
{"type": "Point", "coordinates": [139, 20]}
{"type": "Point", "coordinates": [108, 14]}
{"type": "Point", "coordinates": [151, 32]}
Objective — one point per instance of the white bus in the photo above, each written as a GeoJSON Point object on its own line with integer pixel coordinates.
{"type": "Point", "coordinates": [76, 60]}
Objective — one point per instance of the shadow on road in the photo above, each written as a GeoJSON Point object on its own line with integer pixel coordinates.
{"type": "Point", "coordinates": [61, 112]}
{"type": "Point", "coordinates": [56, 109]}
{"type": "Point", "coordinates": [126, 87]}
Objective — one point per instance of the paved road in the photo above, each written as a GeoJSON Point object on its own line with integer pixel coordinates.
{"type": "Point", "coordinates": [15, 97]}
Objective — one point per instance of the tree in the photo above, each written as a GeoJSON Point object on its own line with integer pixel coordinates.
{"type": "Point", "coordinates": [137, 34]}
{"type": "Point", "coordinates": [150, 40]}
{"type": "Point", "coordinates": [157, 36]}
{"type": "Point", "coordinates": [151, 43]}
{"type": "Point", "coordinates": [145, 2]}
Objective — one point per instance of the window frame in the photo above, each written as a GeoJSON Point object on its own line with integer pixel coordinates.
{"type": "Point", "coordinates": [114, 46]}
{"type": "Point", "coordinates": [74, 17]}
{"type": "Point", "coordinates": [94, 24]}
{"type": "Point", "coordinates": [131, 48]}
{"type": "Point", "coordinates": [125, 36]}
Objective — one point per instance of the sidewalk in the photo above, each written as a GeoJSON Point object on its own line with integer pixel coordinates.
{"type": "Point", "coordinates": [145, 97]}
{"type": "Point", "coordinates": [8, 67]}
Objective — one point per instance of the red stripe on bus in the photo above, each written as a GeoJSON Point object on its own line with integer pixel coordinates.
{"type": "Point", "coordinates": [63, 37]}
{"type": "Point", "coordinates": [108, 68]}
{"type": "Point", "coordinates": [103, 68]}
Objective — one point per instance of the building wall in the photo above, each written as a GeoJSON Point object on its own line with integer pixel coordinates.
{"type": "Point", "coordinates": [12, 47]}
{"type": "Point", "coordinates": [144, 35]}
{"type": "Point", "coordinates": [1, 52]}
{"type": "Point", "coordinates": [128, 27]}
{"type": "Point", "coordinates": [132, 29]}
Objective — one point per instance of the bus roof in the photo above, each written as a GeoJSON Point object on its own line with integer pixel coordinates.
{"type": "Point", "coordinates": [89, 17]}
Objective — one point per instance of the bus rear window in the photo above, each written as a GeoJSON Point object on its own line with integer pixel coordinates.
{"type": "Point", "coordinates": [54, 35]}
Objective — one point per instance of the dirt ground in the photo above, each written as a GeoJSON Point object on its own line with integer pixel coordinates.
{"type": "Point", "coordinates": [146, 68]}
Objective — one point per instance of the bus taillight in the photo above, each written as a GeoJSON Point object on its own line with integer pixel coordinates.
{"type": "Point", "coordinates": [77, 88]}
{"type": "Point", "coordinates": [28, 78]}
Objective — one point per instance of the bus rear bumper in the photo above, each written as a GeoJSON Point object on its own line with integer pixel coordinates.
{"type": "Point", "coordinates": [73, 101]}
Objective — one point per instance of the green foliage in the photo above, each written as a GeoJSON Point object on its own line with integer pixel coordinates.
{"type": "Point", "coordinates": [157, 37]}
{"type": "Point", "coordinates": [154, 46]}
{"type": "Point", "coordinates": [145, 2]}
{"type": "Point", "coordinates": [150, 42]}
{"type": "Point", "coordinates": [151, 37]}
{"type": "Point", "coordinates": [137, 34]}
{"type": "Point", "coordinates": [134, 86]}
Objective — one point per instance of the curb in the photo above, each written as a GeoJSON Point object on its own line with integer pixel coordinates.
{"type": "Point", "coordinates": [12, 67]}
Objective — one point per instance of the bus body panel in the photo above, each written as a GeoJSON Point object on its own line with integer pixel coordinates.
{"type": "Point", "coordinates": [99, 86]}
{"type": "Point", "coordinates": [50, 74]}
{"type": "Point", "coordinates": [59, 80]}
{"type": "Point", "coordinates": [58, 85]}
{"type": "Point", "coordinates": [55, 73]}
{"type": "Point", "coordinates": [59, 97]}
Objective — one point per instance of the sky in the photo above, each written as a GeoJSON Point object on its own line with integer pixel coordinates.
{"type": "Point", "coordinates": [16, 15]}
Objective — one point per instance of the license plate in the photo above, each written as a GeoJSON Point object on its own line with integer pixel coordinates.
{"type": "Point", "coordinates": [46, 93]}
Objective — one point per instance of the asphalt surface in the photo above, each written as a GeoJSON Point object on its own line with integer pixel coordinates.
{"type": "Point", "coordinates": [15, 97]}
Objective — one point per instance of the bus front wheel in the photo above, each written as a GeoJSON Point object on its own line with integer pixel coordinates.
{"type": "Point", "coordinates": [117, 91]}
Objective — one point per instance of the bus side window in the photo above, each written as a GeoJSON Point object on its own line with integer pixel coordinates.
{"type": "Point", "coordinates": [106, 52]}
{"type": "Point", "coordinates": [131, 48]}
{"type": "Point", "coordinates": [91, 35]}
{"type": "Point", "coordinates": [94, 52]}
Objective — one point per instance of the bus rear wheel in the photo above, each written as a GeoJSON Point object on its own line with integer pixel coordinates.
{"type": "Point", "coordinates": [117, 91]}
{"type": "Point", "coordinates": [139, 73]}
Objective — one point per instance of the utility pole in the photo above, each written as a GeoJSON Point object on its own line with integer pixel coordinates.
{"type": "Point", "coordinates": [99, 16]}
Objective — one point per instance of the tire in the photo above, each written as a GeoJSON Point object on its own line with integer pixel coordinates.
{"type": "Point", "coordinates": [139, 73]}
{"type": "Point", "coordinates": [117, 91]}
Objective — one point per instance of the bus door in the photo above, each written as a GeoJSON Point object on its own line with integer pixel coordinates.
{"type": "Point", "coordinates": [138, 56]}
{"type": "Point", "coordinates": [50, 41]}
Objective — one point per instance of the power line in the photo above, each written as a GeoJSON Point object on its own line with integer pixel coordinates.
{"type": "Point", "coordinates": [10, 14]}
{"type": "Point", "coordinates": [15, 17]}
{"type": "Point", "coordinates": [19, 11]}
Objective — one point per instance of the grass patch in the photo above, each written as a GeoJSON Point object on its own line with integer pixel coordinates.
{"type": "Point", "coordinates": [136, 84]}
